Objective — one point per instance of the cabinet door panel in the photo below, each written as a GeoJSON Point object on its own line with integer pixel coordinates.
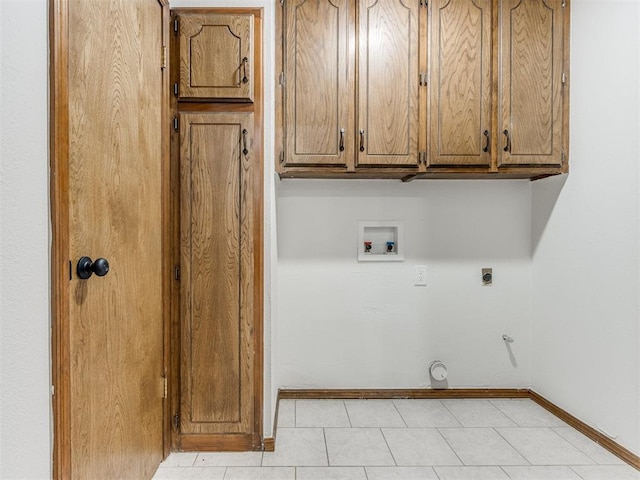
{"type": "Point", "coordinates": [531, 61]}
{"type": "Point", "coordinates": [319, 86]}
{"type": "Point", "coordinates": [388, 83]}
{"type": "Point", "coordinates": [460, 78]}
{"type": "Point", "coordinates": [216, 56]}
{"type": "Point", "coordinates": [217, 274]}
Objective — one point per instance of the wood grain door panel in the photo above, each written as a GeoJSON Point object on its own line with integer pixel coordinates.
{"type": "Point", "coordinates": [460, 122]}
{"type": "Point", "coordinates": [388, 83]}
{"type": "Point", "coordinates": [216, 56]}
{"type": "Point", "coordinates": [115, 179]}
{"type": "Point", "coordinates": [217, 273]}
{"type": "Point", "coordinates": [531, 63]}
{"type": "Point", "coordinates": [319, 83]}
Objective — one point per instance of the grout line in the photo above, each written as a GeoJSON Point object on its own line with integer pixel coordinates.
{"type": "Point", "coordinates": [224, 475]}
{"type": "Point", "coordinates": [504, 413]}
{"type": "Point", "coordinates": [505, 472]}
{"type": "Point", "coordinates": [574, 471]}
{"type": "Point", "coordinates": [450, 447]}
{"type": "Point", "coordinates": [435, 471]}
{"type": "Point", "coordinates": [326, 448]}
{"type": "Point", "coordinates": [295, 413]}
{"type": "Point", "coordinates": [401, 417]}
{"type": "Point", "coordinates": [389, 448]}
{"type": "Point", "coordinates": [495, 429]}
{"type": "Point", "coordinates": [344, 405]}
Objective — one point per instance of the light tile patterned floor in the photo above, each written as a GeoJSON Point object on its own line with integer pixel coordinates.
{"type": "Point", "coordinates": [411, 440]}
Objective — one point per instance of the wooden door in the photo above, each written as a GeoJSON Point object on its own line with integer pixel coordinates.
{"type": "Point", "coordinates": [460, 125]}
{"type": "Point", "coordinates": [216, 56]}
{"type": "Point", "coordinates": [388, 83]}
{"type": "Point", "coordinates": [108, 155]}
{"type": "Point", "coordinates": [220, 273]}
{"type": "Point", "coordinates": [319, 82]}
{"type": "Point", "coordinates": [530, 88]}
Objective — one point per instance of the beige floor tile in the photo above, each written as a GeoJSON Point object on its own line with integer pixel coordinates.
{"type": "Point", "coordinates": [541, 473]}
{"type": "Point", "coordinates": [401, 473]}
{"type": "Point", "coordinates": [357, 447]}
{"type": "Point", "coordinates": [543, 446]}
{"type": "Point", "coordinates": [295, 447]}
{"type": "Point", "coordinates": [419, 446]}
{"type": "Point", "coordinates": [321, 413]}
{"type": "Point", "coordinates": [481, 446]}
{"type": "Point", "coordinates": [330, 473]}
{"type": "Point", "coordinates": [425, 413]}
{"type": "Point", "coordinates": [373, 413]}
{"type": "Point", "coordinates": [477, 413]}
{"type": "Point", "coordinates": [471, 473]}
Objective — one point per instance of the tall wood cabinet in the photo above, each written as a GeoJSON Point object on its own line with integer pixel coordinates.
{"type": "Point", "coordinates": [416, 89]}
{"type": "Point", "coordinates": [217, 176]}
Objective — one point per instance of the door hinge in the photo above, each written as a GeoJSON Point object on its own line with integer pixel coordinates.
{"type": "Point", "coordinates": [282, 156]}
{"type": "Point", "coordinates": [165, 387]}
{"type": "Point", "coordinates": [176, 421]}
{"type": "Point", "coordinates": [282, 2]}
{"type": "Point", "coordinates": [423, 79]}
{"type": "Point", "coordinates": [175, 89]}
{"type": "Point", "coordinates": [564, 78]}
{"type": "Point", "coordinates": [176, 273]}
{"type": "Point", "coordinates": [163, 63]}
{"type": "Point", "coordinates": [282, 80]}
{"type": "Point", "coordinates": [53, 390]}
{"type": "Point", "coordinates": [176, 25]}
{"type": "Point", "coordinates": [564, 3]}
{"type": "Point", "coordinates": [176, 123]}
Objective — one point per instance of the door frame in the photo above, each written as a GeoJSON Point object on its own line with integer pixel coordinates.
{"type": "Point", "coordinates": [59, 138]}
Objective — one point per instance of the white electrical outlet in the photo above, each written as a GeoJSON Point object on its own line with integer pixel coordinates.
{"type": "Point", "coordinates": [420, 275]}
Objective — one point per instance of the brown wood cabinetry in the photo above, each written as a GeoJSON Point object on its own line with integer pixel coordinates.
{"type": "Point", "coordinates": [531, 83]}
{"type": "Point", "coordinates": [416, 89]}
{"type": "Point", "coordinates": [216, 56]}
{"type": "Point", "coordinates": [217, 178]}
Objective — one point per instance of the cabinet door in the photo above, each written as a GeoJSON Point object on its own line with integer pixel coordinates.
{"type": "Point", "coordinates": [218, 232]}
{"type": "Point", "coordinates": [319, 82]}
{"type": "Point", "coordinates": [388, 83]}
{"type": "Point", "coordinates": [530, 89]}
{"type": "Point", "coordinates": [216, 56]}
{"type": "Point", "coordinates": [460, 83]}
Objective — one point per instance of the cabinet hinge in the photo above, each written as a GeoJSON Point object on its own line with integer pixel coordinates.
{"type": "Point", "coordinates": [422, 157]}
{"type": "Point", "coordinates": [53, 390]}
{"type": "Point", "coordinates": [424, 3]}
{"type": "Point", "coordinates": [562, 156]}
{"type": "Point", "coordinates": [282, 2]}
{"type": "Point", "coordinates": [282, 156]}
{"type": "Point", "coordinates": [176, 421]}
{"type": "Point", "coordinates": [564, 3]}
{"type": "Point", "coordinates": [175, 89]}
{"type": "Point", "coordinates": [176, 273]}
{"type": "Point", "coordinates": [163, 63]}
{"type": "Point", "coordinates": [423, 79]}
{"type": "Point", "coordinates": [176, 25]}
{"type": "Point", "coordinates": [282, 80]}
{"type": "Point", "coordinates": [70, 270]}
{"type": "Point", "coordinates": [564, 78]}
{"type": "Point", "coordinates": [176, 123]}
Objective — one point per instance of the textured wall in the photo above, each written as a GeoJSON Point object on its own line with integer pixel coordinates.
{"type": "Point", "coordinates": [25, 440]}
{"type": "Point", "coordinates": [586, 317]}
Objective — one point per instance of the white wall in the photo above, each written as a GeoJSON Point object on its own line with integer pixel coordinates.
{"type": "Point", "coordinates": [344, 324]}
{"type": "Point", "coordinates": [585, 329]}
{"type": "Point", "coordinates": [25, 440]}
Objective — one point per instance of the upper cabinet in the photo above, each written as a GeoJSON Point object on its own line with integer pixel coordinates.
{"type": "Point", "coordinates": [531, 82]}
{"type": "Point", "coordinates": [387, 124]}
{"type": "Point", "coordinates": [319, 73]}
{"type": "Point", "coordinates": [423, 89]}
{"type": "Point", "coordinates": [216, 56]}
{"type": "Point", "coordinates": [460, 114]}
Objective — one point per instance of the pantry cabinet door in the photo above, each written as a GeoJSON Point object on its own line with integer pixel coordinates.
{"type": "Point", "coordinates": [216, 56]}
{"type": "Point", "coordinates": [530, 82]}
{"type": "Point", "coordinates": [388, 85]}
{"type": "Point", "coordinates": [319, 83]}
{"type": "Point", "coordinates": [460, 83]}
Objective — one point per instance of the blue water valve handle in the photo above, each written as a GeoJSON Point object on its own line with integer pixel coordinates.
{"type": "Point", "coordinates": [390, 246]}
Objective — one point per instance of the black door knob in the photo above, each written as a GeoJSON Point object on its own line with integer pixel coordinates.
{"type": "Point", "coordinates": [87, 267]}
